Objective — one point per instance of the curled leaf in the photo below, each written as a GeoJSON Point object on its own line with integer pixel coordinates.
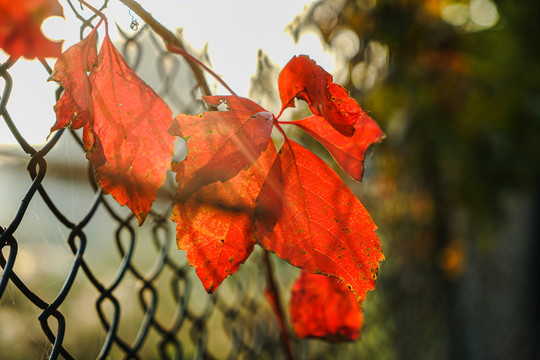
{"type": "Point", "coordinates": [349, 152]}
{"type": "Point", "coordinates": [302, 78]}
{"type": "Point", "coordinates": [75, 108]}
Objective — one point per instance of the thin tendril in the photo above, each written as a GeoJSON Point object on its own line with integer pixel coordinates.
{"type": "Point", "coordinates": [177, 50]}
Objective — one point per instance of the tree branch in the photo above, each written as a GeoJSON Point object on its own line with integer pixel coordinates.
{"type": "Point", "coordinates": [169, 39]}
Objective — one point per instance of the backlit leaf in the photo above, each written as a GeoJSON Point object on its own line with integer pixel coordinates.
{"type": "Point", "coordinates": [20, 28]}
{"type": "Point", "coordinates": [304, 79]}
{"type": "Point", "coordinates": [125, 122]}
{"type": "Point", "coordinates": [349, 152]}
{"type": "Point", "coordinates": [318, 224]}
{"type": "Point", "coordinates": [215, 226]}
{"type": "Point", "coordinates": [323, 307]}
{"type": "Point", "coordinates": [220, 143]}
{"type": "Point", "coordinates": [131, 121]}
{"type": "Point", "coordinates": [70, 70]}
{"type": "Point", "coordinates": [75, 107]}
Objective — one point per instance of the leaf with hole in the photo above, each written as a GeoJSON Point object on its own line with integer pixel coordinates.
{"type": "Point", "coordinates": [20, 28]}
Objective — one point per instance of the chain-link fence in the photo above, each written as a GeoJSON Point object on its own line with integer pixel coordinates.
{"type": "Point", "coordinates": [81, 280]}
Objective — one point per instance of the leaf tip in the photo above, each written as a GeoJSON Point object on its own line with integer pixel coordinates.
{"type": "Point", "coordinates": [141, 217]}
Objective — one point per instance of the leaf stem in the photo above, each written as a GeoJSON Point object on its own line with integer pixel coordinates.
{"type": "Point", "coordinates": [276, 124]}
{"type": "Point", "coordinates": [273, 291]}
{"type": "Point", "coordinates": [280, 112]}
{"type": "Point", "coordinates": [284, 106]}
{"type": "Point", "coordinates": [169, 39]}
{"type": "Point", "coordinates": [102, 16]}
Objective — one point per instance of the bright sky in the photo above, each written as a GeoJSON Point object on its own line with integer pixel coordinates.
{"type": "Point", "coordinates": [233, 29]}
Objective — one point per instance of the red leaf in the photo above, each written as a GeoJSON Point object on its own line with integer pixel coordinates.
{"type": "Point", "coordinates": [349, 152]}
{"type": "Point", "coordinates": [317, 223]}
{"type": "Point", "coordinates": [75, 107]}
{"type": "Point", "coordinates": [125, 122]}
{"type": "Point", "coordinates": [304, 79]}
{"type": "Point", "coordinates": [131, 122]}
{"type": "Point", "coordinates": [215, 226]}
{"type": "Point", "coordinates": [20, 28]}
{"type": "Point", "coordinates": [220, 144]}
{"type": "Point", "coordinates": [323, 307]}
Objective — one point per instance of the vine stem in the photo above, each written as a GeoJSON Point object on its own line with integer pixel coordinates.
{"type": "Point", "coordinates": [169, 39]}
{"type": "Point", "coordinates": [184, 53]}
{"type": "Point", "coordinates": [102, 17]}
{"type": "Point", "coordinates": [275, 302]}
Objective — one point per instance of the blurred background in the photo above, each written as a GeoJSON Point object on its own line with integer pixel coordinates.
{"type": "Point", "coordinates": [454, 188]}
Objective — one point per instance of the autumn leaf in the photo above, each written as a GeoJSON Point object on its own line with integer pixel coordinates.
{"type": "Point", "coordinates": [220, 144]}
{"type": "Point", "coordinates": [131, 122]}
{"type": "Point", "coordinates": [70, 70]}
{"type": "Point", "coordinates": [215, 226]}
{"type": "Point", "coordinates": [227, 162]}
{"type": "Point", "coordinates": [125, 122]}
{"type": "Point", "coordinates": [20, 28]}
{"type": "Point", "coordinates": [304, 79]}
{"type": "Point", "coordinates": [323, 307]}
{"type": "Point", "coordinates": [75, 107]}
{"type": "Point", "coordinates": [297, 206]}
{"type": "Point", "coordinates": [317, 224]}
{"type": "Point", "coordinates": [349, 152]}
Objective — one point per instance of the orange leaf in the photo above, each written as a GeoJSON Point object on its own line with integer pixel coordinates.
{"type": "Point", "coordinates": [131, 122]}
{"type": "Point", "coordinates": [20, 28]}
{"type": "Point", "coordinates": [323, 307]}
{"type": "Point", "coordinates": [215, 226]}
{"type": "Point", "coordinates": [70, 70]}
{"type": "Point", "coordinates": [220, 144]}
{"type": "Point", "coordinates": [125, 122]}
{"type": "Point", "coordinates": [349, 152]}
{"type": "Point", "coordinates": [304, 79]}
{"type": "Point", "coordinates": [317, 223]}
{"type": "Point", "coordinates": [75, 107]}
